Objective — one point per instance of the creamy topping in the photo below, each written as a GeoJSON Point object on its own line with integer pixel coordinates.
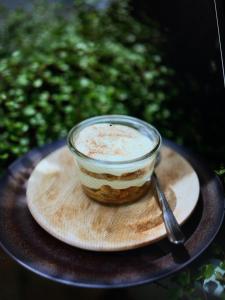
{"type": "Point", "coordinates": [112, 142]}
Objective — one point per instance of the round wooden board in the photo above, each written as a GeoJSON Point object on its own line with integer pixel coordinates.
{"type": "Point", "coordinates": [57, 202]}
{"type": "Point", "coordinates": [33, 248]}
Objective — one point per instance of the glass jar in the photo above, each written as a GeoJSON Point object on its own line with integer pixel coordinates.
{"type": "Point", "coordinates": [116, 181]}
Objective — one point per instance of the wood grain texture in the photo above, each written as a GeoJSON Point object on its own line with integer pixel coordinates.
{"type": "Point", "coordinates": [57, 202]}
{"type": "Point", "coordinates": [32, 247]}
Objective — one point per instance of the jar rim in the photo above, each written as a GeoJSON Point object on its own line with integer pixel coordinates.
{"type": "Point", "coordinates": [113, 119]}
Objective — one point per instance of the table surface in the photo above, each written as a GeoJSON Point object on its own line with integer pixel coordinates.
{"type": "Point", "coordinates": [19, 284]}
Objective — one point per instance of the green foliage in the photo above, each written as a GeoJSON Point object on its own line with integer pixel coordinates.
{"type": "Point", "coordinates": [207, 277]}
{"type": "Point", "coordinates": [58, 67]}
{"type": "Point", "coordinates": [206, 271]}
{"type": "Point", "coordinates": [185, 287]}
{"type": "Point", "coordinates": [221, 173]}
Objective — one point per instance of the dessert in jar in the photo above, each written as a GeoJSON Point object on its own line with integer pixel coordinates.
{"type": "Point", "coordinates": [116, 156]}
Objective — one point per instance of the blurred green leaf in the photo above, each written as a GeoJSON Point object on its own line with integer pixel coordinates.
{"type": "Point", "coordinates": [60, 66]}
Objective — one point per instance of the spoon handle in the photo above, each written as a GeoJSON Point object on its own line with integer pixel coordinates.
{"type": "Point", "coordinates": [175, 235]}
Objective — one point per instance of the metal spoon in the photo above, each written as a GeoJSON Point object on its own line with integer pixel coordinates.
{"type": "Point", "coordinates": [174, 233]}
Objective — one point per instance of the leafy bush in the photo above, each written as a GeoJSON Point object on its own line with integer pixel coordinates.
{"type": "Point", "coordinates": [58, 67]}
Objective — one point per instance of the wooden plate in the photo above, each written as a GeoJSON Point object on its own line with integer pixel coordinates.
{"type": "Point", "coordinates": [57, 202]}
{"type": "Point", "coordinates": [32, 247]}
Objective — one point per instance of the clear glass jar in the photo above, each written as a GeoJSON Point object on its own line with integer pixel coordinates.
{"type": "Point", "coordinates": [116, 182]}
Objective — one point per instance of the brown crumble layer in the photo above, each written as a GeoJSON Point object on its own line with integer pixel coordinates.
{"type": "Point", "coordinates": [124, 176]}
{"type": "Point", "coordinates": [108, 195]}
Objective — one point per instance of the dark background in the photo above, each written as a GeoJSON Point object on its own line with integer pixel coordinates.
{"type": "Point", "coordinates": [193, 50]}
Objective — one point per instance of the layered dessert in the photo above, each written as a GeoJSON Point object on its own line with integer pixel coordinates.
{"type": "Point", "coordinates": [115, 161]}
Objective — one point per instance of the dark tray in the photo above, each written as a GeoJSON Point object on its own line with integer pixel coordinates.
{"type": "Point", "coordinates": [24, 240]}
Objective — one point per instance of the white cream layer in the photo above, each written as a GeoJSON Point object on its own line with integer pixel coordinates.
{"type": "Point", "coordinates": [115, 169]}
{"type": "Point", "coordinates": [112, 142]}
{"type": "Point", "coordinates": [96, 183]}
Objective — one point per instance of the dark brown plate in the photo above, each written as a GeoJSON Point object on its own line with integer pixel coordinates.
{"type": "Point", "coordinates": [24, 240]}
